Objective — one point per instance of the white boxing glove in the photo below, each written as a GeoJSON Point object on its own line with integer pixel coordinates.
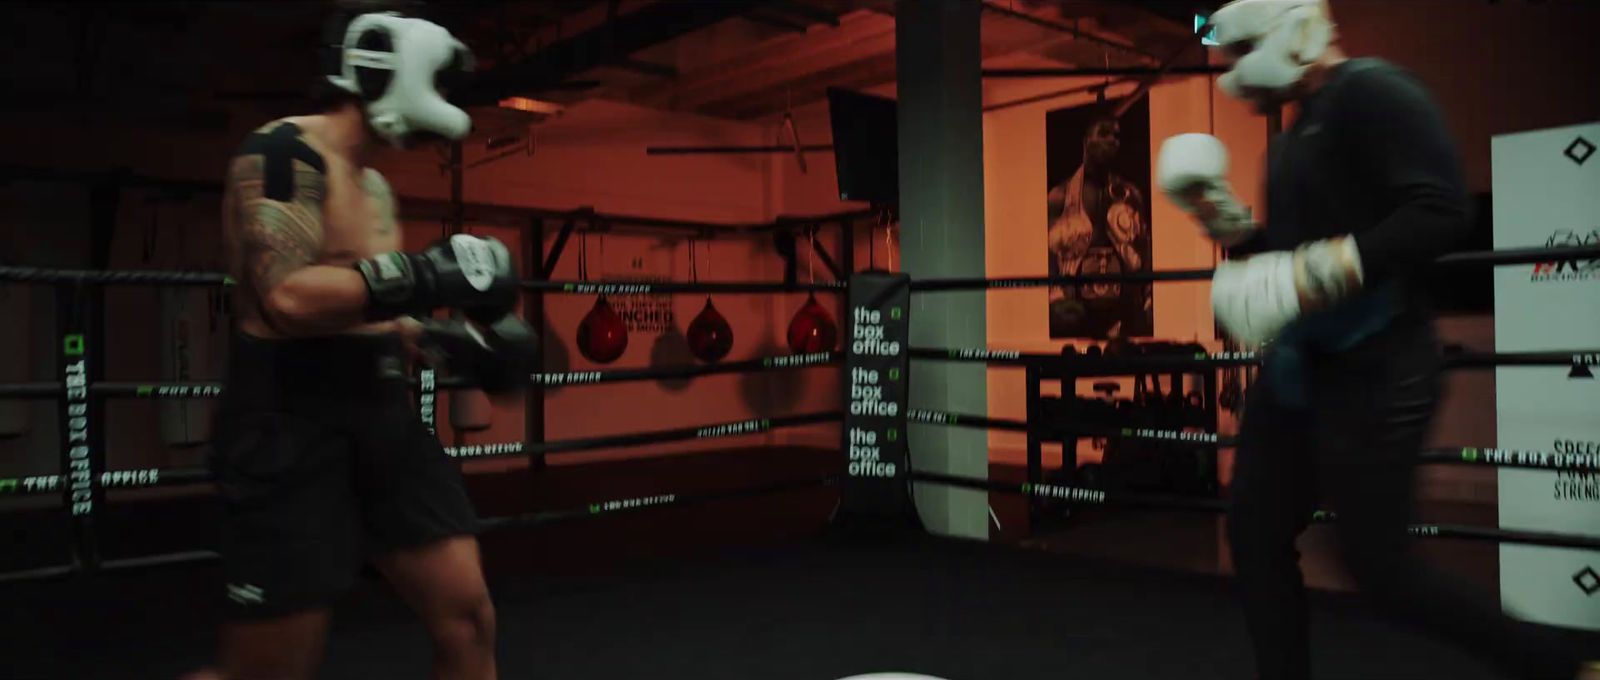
{"type": "Point", "coordinates": [1192, 170]}
{"type": "Point", "coordinates": [1256, 297]}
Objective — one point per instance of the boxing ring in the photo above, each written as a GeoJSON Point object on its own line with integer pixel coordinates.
{"type": "Point", "coordinates": [830, 602]}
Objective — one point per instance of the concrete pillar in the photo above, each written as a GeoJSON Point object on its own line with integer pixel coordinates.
{"type": "Point", "coordinates": [941, 222]}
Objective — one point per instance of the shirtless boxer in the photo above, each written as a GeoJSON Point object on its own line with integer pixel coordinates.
{"type": "Point", "coordinates": [322, 462]}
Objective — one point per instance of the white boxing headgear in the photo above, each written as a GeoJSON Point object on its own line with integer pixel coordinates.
{"type": "Point", "coordinates": [1285, 37]}
{"type": "Point", "coordinates": [398, 65]}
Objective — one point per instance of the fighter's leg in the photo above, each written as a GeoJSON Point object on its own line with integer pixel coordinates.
{"type": "Point", "coordinates": [421, 526]}
{"type": "Point", "coordinates": [290, 541]}
{"type": "Point", "coordinates": [1272, 501]}
{"type": "Point", "coordinates": [287, 647]}
{"type": "Point", "coordinates": [443, 582]}
{"type": "Point", "coordinates": [1374, 408]}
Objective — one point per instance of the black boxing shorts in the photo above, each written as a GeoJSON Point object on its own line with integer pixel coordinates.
{"type": "Point", "coordinates": [322, 464]}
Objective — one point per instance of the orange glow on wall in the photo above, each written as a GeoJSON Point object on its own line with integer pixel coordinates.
{"type": "Point", "coordinates": [530, 105]}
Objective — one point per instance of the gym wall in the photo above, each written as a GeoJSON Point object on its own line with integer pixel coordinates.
{"type": "Point", "coordinates": [1495, 67]}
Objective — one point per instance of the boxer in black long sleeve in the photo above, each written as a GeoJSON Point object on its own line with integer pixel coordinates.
{"type": "Point", "coordinates": [1370, 154]}
{"type": "Point", "coordinates": [1363, 193]}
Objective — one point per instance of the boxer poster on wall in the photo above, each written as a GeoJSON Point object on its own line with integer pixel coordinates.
{"type": "Point", "coordinates": [1098, 167]}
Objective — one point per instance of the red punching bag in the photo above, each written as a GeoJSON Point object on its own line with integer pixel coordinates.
{"type": "Point", "coordinates": [812, 329]}
{"type": "Point", "coordinates": [602, 336]}
{"type": "Point", "coordinates": [710, 336]}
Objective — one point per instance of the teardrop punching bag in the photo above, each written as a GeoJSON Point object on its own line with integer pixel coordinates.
{"type": "Point", "coordinates": [812, 329]}
{"type": "Point", "coordinates": [602, 337]}
{"type": "Point", "coordinates": [710, 336]}
{"type": "Point", "coordinates": [14, 366]}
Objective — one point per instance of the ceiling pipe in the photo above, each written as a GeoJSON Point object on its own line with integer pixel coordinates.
{"type": "Point", "coordinates": [708, 150]}
{"type": "Point", "coordinates": [1096, 71]}
{"type": "Point", "coordinates": [1063, 28]}
{"type": "Point", "coordinates": [1056, 94]}
{"type": "Point", "coordinates": [601, 46]}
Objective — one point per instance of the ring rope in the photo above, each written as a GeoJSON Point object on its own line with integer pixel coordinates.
{"type": "Point", "coordinates": [149, 477]}
{"type": "Point", "coordinates": [588, 510]}
{"type": "Point", "coordinates": [1502, 257]}
{"type": "Point", "coordinates": [1087, 496]}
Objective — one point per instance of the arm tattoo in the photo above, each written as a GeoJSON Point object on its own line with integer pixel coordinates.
{"type": "Point", "coordinates": [378, 189]}
{"type": "Point", "coordinates": [277, 237]}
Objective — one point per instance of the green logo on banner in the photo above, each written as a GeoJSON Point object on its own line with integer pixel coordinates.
{"type": "Point", "coordinates": [569, 287]}
{"type": "Point", "coordinates": [144, 390]}
{"type": "Point", "coordinates": [894, 313]}
{"type": "Point", "coordinates": [72, 345]}
{"type": "Point", "coordinates": [228, 281]}
{"type": "Point", "coordinates": [893, 434]}
{"type": "Point", "coordinates": [894, 374]}
{"type": "Point", "coordinates": [1026, 488]}
{"type": "Point", "coordinates": [1127, 431]}
{"type": "Point", "coordinates": [594, 508]}
{"type": "Point", "coordinates": [1469, 454]}
{"type": "Point", "coordinates": [8, 485]}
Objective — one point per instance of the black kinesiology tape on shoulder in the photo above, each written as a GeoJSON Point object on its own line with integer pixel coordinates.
{"type": "Point", "coordinates": [279, 148]}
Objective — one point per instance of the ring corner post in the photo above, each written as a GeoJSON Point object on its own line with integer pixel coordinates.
{"type": "Point", "coordinates": [875, 494]}
{"type": "Point", "coordinates": [80, 360]}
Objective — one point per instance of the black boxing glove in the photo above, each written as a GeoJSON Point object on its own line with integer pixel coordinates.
{"type": "Point", "coordinates": [470, 273]}
{"type": "Point", "coordinates": [498, 356]}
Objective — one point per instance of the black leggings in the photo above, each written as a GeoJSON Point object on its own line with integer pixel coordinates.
{"type": "Point", "coordinates": [1352, 452]}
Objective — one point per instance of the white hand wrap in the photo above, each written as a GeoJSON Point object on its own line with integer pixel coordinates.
{"type": "Point", "coordinates": [1327, 271]}
{"type": "Point", "coordinates": [1255, 298]}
